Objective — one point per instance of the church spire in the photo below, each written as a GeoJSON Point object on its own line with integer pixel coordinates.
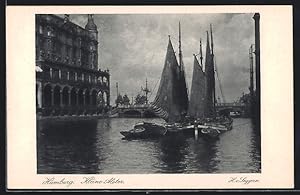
{"type": "Point", "coordinates": [91, 26]}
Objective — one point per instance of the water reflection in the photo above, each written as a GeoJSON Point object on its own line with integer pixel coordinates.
{"type": "Point", "coordinates": [255, 151]}
{"type": "Point", "coordinates": [205, 155]}
{"type": "Point", "coordinates": [67, 148]}
{"type": "Point", "coordinates": [173, 154]}
{"type": "Point", "coordinates": [96, 146]}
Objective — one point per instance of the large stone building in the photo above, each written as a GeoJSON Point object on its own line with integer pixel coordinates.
{"type": "Point", "coordinates": [68, 81]}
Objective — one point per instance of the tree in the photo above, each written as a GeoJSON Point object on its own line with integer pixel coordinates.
{"type": "Point", "coordinates": [137, 99]}
{"type": "Point", "coordinates": [126, 100]}
{"type": "Point", "coordinates": [140, 99]}
{"type": "Point", "coordinates": [245, 98]}
{"type": "Point", "coordinates": [119, 100]}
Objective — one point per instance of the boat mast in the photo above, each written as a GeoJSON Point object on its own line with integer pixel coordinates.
{"type": "Point", "coordinates": [146, 90]}
{"type": "Point", "coordinates": [180, 52]}
{"type": "Point", "coordinates": [201, 57]}
{"type": "Point", "coordinates": [117, 86]}
{"type": "Point", "coordinates": [212, 58]}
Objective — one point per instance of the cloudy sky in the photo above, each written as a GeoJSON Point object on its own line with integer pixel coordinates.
{"type": "Point", "coordinates": [133, 48]}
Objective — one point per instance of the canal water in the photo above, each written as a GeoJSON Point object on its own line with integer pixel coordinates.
{"type": "Point", "coordinates": [96, 146]}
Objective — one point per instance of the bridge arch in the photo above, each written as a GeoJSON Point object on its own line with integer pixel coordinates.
{"type": "Point", "coordinates": [149, 114]}
{"type": "Point", "coordinates": [132, 113]}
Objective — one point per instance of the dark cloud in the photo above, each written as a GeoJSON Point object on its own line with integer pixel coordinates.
{"type": "Point", "coordinates": [133, 47]}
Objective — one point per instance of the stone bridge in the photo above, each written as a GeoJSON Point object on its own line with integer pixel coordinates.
{"type": "Point", "coordinates": [235, 107]}
{"type": "Point", "coordinates": [143, 110]}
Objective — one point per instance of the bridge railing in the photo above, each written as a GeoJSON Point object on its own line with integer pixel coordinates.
{"type": "Point", "coordinates": [134, 106]}
{"type": "Point", "coordinates": [230, 104]}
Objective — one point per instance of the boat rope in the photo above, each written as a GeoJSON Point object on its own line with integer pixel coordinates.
{"type": "Point", "coordinates": [219, 80]}
{"type": "Point", "coordinates": [153, 88]}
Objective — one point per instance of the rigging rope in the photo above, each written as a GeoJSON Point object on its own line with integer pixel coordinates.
{"type": "Point", "coordinates": [153, 88]}
{"type": "Point", "coordinates": [220, 85]}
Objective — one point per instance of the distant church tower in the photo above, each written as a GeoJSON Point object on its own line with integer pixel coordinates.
{"type": "Point", "coordinates": [93, 44]}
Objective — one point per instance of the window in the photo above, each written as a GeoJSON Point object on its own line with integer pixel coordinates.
{"type": "Point", "coordinates": [40, 29]}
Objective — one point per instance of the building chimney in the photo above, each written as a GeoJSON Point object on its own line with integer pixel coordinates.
{"type": "Point", "coordinates": [257, 113]}
{"type": "Point", "coordinates": [257, 53]}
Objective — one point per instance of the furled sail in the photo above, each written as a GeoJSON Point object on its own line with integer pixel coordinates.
{"type": "Point", "coordinates": [197, 95]}
{"type": "Point", "coordinates": [168, 101]}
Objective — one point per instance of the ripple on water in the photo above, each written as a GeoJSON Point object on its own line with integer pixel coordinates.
{"type": "Point", "coordinates": [98, 147]}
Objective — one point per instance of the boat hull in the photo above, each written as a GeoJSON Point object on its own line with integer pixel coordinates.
{"type": "Point", "coordinates": [211, 128]}
{"type": "Point", "coordinates": [145, 131]}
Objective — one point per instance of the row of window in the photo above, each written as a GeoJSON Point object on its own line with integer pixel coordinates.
{"type": "Point", "coordinates": [53, 73]}
{"type": "Point", "coordinates": [73, 40]}
{"type": "Point", "coordinates": [66, 52]}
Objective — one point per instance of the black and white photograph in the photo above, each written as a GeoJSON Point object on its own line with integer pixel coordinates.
{"type": "Point", "coordinates": [149, 98]}
{"type": "Point", "coordinates": [148, 93]}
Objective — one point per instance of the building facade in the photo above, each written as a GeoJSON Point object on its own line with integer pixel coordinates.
{"type": "Point", "coordinates": [68, 81]}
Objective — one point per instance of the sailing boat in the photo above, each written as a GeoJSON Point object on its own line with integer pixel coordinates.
{"type": "Point", "coordinates": [203, 99]}
{"type": "Point", "coordinates": [171, 101]}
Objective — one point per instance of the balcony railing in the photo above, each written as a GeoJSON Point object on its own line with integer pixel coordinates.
{"type": "Point", "coordinates": [231, 104]}
{"type": "Point", "coordinates": [45, 75]}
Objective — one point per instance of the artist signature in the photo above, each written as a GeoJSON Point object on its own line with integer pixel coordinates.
{"type": "Point", "coordinates": [243, 180]}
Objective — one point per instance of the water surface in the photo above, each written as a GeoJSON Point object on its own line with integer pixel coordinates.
{"type": "Point", "coordinates": [96, 146]}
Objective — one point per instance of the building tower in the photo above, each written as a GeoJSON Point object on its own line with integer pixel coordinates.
{"type": "Point", "coordinates": [91, 27]}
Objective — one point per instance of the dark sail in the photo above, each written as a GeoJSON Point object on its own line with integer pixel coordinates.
{"type": "Point", "coordinates": [197, 96]}
{"type": "Point", "coordinates": [182, 92]}
{"type": "Point", "coordinates": [168, 101]}
{"type": "Point", "coordinates": [210, 81]}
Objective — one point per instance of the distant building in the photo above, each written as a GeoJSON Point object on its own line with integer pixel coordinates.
{"type": "Point", "coordinates": [68, 81]}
